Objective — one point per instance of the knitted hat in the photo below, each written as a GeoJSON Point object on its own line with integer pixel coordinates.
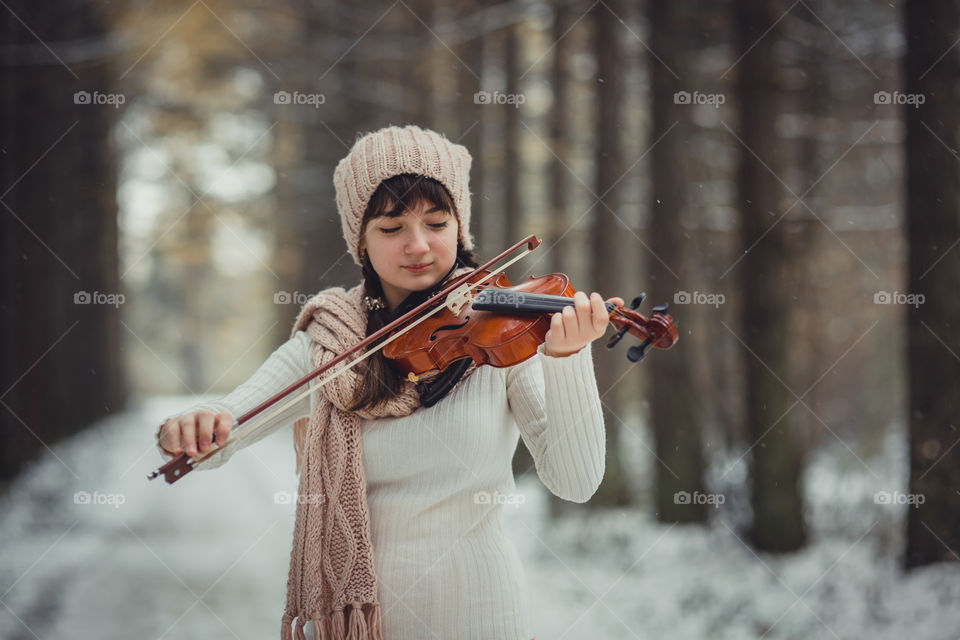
{"type": "Point", "coordinates": [391, 151]}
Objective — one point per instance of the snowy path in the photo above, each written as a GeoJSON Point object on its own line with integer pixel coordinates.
{"type": "Point", "coordinates": [207, 557]}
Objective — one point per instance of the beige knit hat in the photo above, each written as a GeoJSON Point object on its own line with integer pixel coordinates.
{"type": "Point", "coordinates": [391, 151]}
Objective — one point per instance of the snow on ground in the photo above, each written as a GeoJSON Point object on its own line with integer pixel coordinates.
{"type": "Point", "coordinates": [207, 557]}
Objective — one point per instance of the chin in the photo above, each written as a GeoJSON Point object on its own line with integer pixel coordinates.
{"type": "Point", "coordinates": [425, 280]}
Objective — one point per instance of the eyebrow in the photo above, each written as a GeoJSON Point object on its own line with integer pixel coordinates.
{"type": "Point", "coordinates": [396, 211]}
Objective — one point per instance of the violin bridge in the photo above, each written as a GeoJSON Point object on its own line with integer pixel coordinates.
{"type": "Point", "coordinates": [458, 298]}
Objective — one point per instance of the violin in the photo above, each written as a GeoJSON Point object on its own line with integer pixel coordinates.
{"type": "Point", "coordinates": [503, 325]}
{"type": "Point", "coordinates": [467, 321]}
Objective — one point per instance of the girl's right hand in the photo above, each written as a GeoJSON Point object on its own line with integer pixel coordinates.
{"type": "Point", "coordinates": [195, 432]}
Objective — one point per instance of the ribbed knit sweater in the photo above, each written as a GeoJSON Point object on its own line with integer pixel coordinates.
{"type": "Point", "coordinates": [439, 479]}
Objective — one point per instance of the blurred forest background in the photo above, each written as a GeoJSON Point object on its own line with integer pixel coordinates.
{"type": "Point", "coordinates": [784, 175]}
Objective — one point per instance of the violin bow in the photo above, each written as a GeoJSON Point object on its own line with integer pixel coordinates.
{"type": "Point", "coordinates": [455, 295]}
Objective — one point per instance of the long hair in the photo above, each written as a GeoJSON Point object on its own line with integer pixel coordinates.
{"type": "Point", "coordinates": [380, 380]}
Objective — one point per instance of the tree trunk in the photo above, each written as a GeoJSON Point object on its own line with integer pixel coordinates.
{"type": "Point", "coordinates": [606, 232]}
{"type": "Point", "coordinates": [674, 406]}
{"type": "Point", "coordinates": [561, 140]}
{"type": "Point", "coordinates": [933, 337]}
{"type": "Point", "coordinates": [775, 457]}
{"type": "Point", "coordinates": [420, 80]}
{"type": "Point", "coordinates": [471, 126]}
{"type": "Point", "coordinates": [61, 334]}
{"type": "Point", "coordinates": [513, 220]}
{"type": "Point", "coordinates": [310, 251]}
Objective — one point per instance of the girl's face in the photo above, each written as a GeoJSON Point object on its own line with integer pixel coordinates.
{"type": "Point", "coordinates": [423, 235]}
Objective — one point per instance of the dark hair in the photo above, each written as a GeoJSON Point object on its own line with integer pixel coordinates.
{"type": "Point", "coordinates": [379, 379]}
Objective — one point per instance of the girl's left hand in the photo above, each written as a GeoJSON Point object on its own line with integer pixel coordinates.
{"type": "Point", "coordinates": [572, 329]}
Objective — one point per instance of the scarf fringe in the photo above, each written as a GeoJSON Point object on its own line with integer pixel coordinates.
{"type": "Point", "coordinates": [337, 626]}
{"type": "Point", "coordinates": [320, 630]}
{"type": "Point", "coordinates": [358, 621]}
{"type": "Point", "coordinates": [358, 625]}
{"type": "Point", "coordinates": [373, 622]}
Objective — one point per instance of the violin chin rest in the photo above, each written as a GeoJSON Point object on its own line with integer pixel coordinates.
{"type": "Point", "coordinates": [432, 392]}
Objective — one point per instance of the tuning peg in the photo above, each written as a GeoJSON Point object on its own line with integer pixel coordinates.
{"type": "Point", "coordinates": [615, 338]}
{"type": "Point", "coordinates": [637, 352]}
{"type": "Point", "coordinates": [661, 308]}
{"type": "Point", "coordinates": [638, 301]}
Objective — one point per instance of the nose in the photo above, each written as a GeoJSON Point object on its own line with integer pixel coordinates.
{"type": "Point", "coordinates": [417, 241]}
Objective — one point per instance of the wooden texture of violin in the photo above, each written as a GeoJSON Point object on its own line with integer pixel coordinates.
{"type": "Point", "coordinates": [500, 338]}
{"type": "Point", "coordinates": [503, 325]}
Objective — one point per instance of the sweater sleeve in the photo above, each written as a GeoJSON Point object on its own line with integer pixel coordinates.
{"type": "Point", "coordinates": [290, 362]}
{"type": "Point", "coordinates": [557, 408]}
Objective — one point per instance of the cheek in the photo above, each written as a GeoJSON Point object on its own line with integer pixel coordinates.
{"type": "Point", "coordinates": [446, 243]}
{"type": "Point", "coordinates": [381, 244]}
{"type": "Point", "coordinates": [384, 252]}
{"type": "Point", "coordinates": [451, 234]}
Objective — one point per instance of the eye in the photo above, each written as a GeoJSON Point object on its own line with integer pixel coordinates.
{"type": "Point", "coordinates": [435, 225]}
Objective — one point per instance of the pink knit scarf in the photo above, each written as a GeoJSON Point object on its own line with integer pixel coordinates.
{"type": "Point", "coordinates": [332, 580]}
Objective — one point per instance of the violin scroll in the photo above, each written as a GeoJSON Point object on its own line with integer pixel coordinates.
{"type": "Point", "coordinates": [659, 330]}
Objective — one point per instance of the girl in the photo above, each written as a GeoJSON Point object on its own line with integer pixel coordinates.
{"type": "Point", "coordinates": [398, 531]}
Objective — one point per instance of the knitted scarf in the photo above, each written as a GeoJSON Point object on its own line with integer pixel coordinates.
{"type": "Point", "coordinates": [332, 580]}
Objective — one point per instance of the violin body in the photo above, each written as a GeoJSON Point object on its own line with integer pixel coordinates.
{"type": "Point", "coordinates": [502, 337]}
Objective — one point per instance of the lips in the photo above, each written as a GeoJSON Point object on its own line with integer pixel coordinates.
{"type": "Point", "coordinates": [417, 267]}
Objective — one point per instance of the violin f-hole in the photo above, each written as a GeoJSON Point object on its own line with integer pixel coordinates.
{"type": "Point", "coordinates": [448, 327]}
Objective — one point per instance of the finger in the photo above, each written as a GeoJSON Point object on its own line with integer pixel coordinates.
{"type": "Point", "coordinates": [558, 329]}
{"type": "Point", "coordinates": [584, 313]}
{"type": "Point", "coordinates": [205, 430]}
{"type": "Point", "coordinates": [571, 327]}
{"type": "Point", "coordinates": [188, 434]}
{"type": "Point", "coordinates": [600, 315]}
{"type": "Point", "coordinates": [170, 440]}
{"type": "Point", "coordinates": [221, 427]}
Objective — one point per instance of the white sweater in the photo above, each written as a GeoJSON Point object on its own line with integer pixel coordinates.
{"type": "Point", "coordinates": [438, 479]}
